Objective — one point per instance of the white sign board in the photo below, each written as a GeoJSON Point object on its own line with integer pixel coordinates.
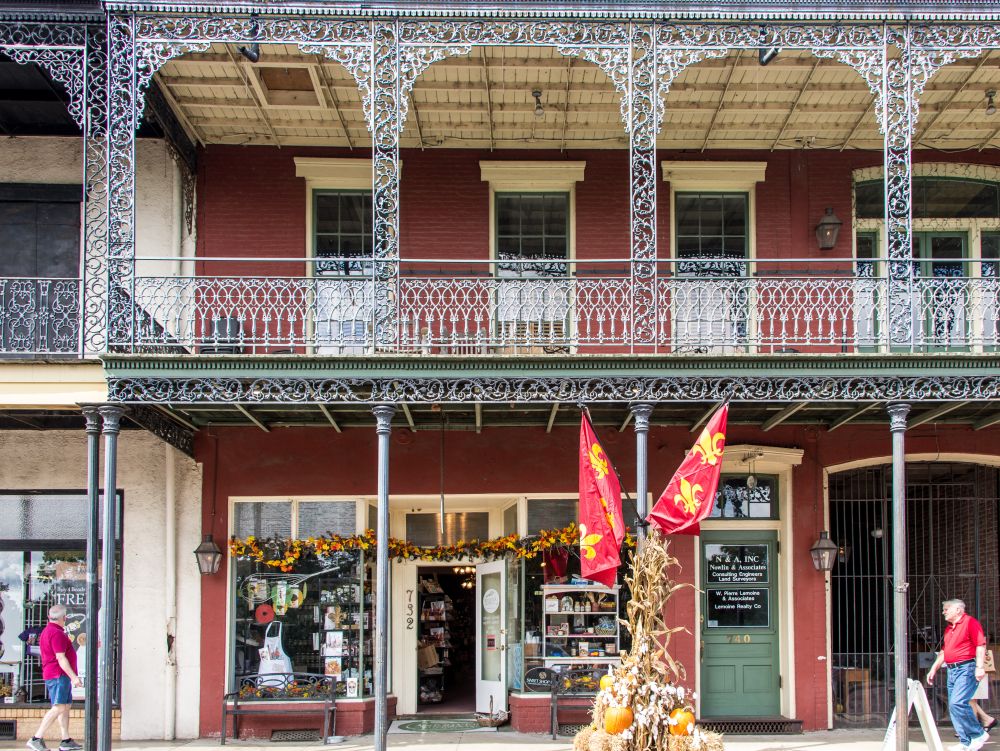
{"type": "Point", "coordinates": [916, 699]}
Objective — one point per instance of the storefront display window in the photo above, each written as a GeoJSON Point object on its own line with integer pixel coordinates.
{"type": "Point", "coordinates": [42, 562]}
{"type": "Point", "coordinates": [315, 618]}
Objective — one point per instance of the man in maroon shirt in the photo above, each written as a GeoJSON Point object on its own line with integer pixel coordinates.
{"type": "Point", "coordinates": [59, 673]}
{"type": "Point", "coordinates": [963, 652]}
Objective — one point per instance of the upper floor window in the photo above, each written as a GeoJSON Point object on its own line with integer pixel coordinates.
{"type": "Point", "coordinates": [934, 198]}
{"type": "Point", "coordinates": [532, 226]}
{"type": "Point", "coordinates": [342, 230]}
{"type": "Point", "coordinates": [711, 226]}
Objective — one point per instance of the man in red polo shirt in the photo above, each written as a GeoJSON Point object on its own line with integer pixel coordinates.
{"type": "Point", "coordinates": [59, 673]}
{"type": "Point", "coordinates": [963, 652]}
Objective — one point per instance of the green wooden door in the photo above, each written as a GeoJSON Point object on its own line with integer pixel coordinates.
{"type": "Point", "coordinates": [739, 625]}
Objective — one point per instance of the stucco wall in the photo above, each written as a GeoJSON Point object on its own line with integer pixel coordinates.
{"type": "Point", "coordinates": [159, 220]}
{"type": "Point", "coordinates": [57, 460]}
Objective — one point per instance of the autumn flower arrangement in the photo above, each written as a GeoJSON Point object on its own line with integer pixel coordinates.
{"type": "Point", "coordinates": [285, 555]}
{"type": "Point", "coordinates": [642, 704]}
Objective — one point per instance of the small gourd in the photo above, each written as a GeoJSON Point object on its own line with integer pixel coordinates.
{"type": "Point", "coordinates": [682, 721]}
{"type": "Point", "coordinates": [617, 719]}
{"type": "Point", "coordinates": [607, 681]}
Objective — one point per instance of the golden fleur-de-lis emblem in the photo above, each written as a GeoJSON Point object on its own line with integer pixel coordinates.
{"type": "Point", "coordinates": [688, 497]}
{"type": "Point", "coordinates": [710, 447]}
{"type": "Point", "coordinates": [607, 513]}
{"type": "Point", "coordinates": [587, 543]}
{"type": "Point", "coordinates": [600, 465]}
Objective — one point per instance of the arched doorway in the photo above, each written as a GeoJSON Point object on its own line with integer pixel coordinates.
{"type": "Point", "coordinates": [952, 551]}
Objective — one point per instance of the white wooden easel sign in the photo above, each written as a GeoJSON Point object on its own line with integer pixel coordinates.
{"type": "Point", "coordinates": [916, 699]}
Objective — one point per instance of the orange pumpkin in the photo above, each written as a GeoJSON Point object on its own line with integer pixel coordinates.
{"type": "Point", "coordinates": [682, 721]}
{"type": "Point", "coordinates": [607, 681]}
{"type": "Point", "coordinates": [617, 719]}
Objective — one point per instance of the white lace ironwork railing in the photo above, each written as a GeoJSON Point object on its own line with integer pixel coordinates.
{"type": "Point", "coordinates": [467, 313]}
{"type": "Point", "coordinates": [39, 316]}
{"type": "Point", "coordinates": [771, 314]}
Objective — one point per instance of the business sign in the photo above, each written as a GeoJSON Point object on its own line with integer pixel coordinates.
{"type": "Point", "coordinates": [738, 608]}
{"type": "Point", "coordinates": [736, 564]}
{"type": "Point", "coordinates": [538, 680]}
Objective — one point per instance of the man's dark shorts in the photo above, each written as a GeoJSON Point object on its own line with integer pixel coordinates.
{"type": "Point", "coordinates": [60, 690]}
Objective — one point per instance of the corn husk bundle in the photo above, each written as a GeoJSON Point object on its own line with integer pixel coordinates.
{"type": "Point", "coordinates": [649, 680]}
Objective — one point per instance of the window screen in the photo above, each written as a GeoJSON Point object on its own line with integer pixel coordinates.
{"type": "Point", "coordinates": [264, 519]}
{"type": "Point", "coordinates": [543, 514]}
{"type": "Point", "coordinates": [319, 518]}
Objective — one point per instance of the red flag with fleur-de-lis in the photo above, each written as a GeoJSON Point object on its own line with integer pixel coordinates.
{"type": "Point", "coordinates": [691, 491]}
{"type": "Point", "coordinates": [602, 528]}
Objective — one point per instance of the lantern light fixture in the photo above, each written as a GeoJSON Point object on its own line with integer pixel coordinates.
{"type": "Point", "coordinates": [824, 552]}
{"type": "Point", "coordinates": [539, 109]}
{"type": "Point", "coordinates": [827, 230]}
{"type": "Point", "coordinates": [991, 107]}
{"type": "Point", "coordinates": [209, 556]}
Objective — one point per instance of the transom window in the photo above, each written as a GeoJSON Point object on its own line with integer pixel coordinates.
{"type": "Point", "coordinates": [532, 225]}
{"type": "Point", "coordinates": [934, 198]}
{"type": "Point", "coordinates": [737, 498]}
{"type": "Point", "coordinates": [342, 230]}
{"type": "Point", "coordinates": [711, 226]}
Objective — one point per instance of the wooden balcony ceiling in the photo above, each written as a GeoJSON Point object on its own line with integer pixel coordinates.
{"type": "Point", "coordinates": [484, 100]}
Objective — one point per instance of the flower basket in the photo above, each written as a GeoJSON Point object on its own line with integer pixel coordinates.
{"type": "Point", "coordinates": [492, 720]}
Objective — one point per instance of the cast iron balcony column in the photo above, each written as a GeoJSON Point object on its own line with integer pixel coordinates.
{"type": "Point", "coordinates": [641, 413]}
{"type": "Point", "coordinates": [109, 601]}
{"type": "Point", "coordinates": [93, 429]}
{"type": "Point", "coordinates": [383, 427]}
{"type": "Point", "coordinates": [897, 424]}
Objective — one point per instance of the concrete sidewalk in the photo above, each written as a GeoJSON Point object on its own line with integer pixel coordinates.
{"type": "Point", "coordinates": [824, 740]}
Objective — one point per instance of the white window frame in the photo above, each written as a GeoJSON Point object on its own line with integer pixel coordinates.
{"type": "Point", "coordinates": [335, 174]}
{"type": "Point", "coordinates": [972, 227]}
{"type": "Point", "coordinates": [715, 177]}
{"type": "Point", "coordinates": [533, 177]}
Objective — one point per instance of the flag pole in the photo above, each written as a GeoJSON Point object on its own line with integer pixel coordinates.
{"type": "Point", "coordinates": [621, 483]}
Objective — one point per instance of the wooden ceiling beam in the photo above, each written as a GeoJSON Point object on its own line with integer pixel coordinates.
{"type": "Point", "coordinates": [851, 416]}
{"type": "Point", "coordinates": [933, 414]}
{"type": "Point", "coordinates": [320, 72]}
{"type": "Point", "coordinates": [795, 104]}
{"type": "Point", "coordinates": [329, 417]}
{"type": "Point", "coordinates": [928, 122]}
{"type": "Point", "coordinates": [249, 415]}
{"type": "Point", "coordinates": [783, 415]}
{"type": "Point", "coordinates": [722, 99]}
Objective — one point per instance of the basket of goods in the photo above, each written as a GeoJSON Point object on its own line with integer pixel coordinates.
{"type": "Point", "coordinates": [492, 719]}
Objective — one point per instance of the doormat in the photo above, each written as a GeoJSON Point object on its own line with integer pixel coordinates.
{"type": "Point", "coordinates": [457, 725]}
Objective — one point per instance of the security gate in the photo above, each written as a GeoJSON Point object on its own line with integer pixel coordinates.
{"type": "Point", "coordinates": [952, 551]}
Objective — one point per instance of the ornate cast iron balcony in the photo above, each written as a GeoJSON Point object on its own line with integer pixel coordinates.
{"type": "Point", "coordinates": [479, 310]}
{"type": "Point", "coordinates": [39, 317]}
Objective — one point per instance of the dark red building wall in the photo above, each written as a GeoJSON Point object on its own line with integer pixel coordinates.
{"type": "Point", "coordinates": [250, 203]}
{"type": "Point", "coordinates": [302, 461]}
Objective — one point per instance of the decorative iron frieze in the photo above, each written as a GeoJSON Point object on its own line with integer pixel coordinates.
{"type": "Point", "coordinates": [568, 390]}
{"type": "Point", "coordinates": [170, 431]}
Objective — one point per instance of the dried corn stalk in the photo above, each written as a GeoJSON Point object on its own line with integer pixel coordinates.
{"type": "Point", "coordinates": [648, 679]}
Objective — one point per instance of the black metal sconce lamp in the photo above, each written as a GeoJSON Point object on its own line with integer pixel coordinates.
{"type": "Point", "coordinates": [824, 552]}
{"type": "Point", "coordinates": [209, 556]}
{"type": "Point", "coordinates": [827, 230]}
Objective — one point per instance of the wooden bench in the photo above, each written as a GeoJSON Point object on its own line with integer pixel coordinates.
{"type": "Point", "coordinates": [573, 688]}
{"type": "Point", "coordinates": [296, 693]}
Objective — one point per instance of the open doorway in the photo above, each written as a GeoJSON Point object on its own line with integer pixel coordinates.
{"type": "Point", "coordinates": [446, 640]}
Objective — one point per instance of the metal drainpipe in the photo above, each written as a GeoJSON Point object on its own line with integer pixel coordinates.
{"type": "Point", "coordinates": [897, 424]}
{"type": "Point", "coordinates": [383, 416]}
{"type": "Point", "coordinates": [170, 614]}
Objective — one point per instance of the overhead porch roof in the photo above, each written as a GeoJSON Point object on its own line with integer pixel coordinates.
{"type": "Point", "coordinates": [482, 393]}
{"type": "Point", "coordinates": [485, 100]}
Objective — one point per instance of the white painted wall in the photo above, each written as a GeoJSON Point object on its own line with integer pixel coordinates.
{"type": "Point", "coordinates": [159, 211]}
{"type": "Point", "coordinates": [58, 460]}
